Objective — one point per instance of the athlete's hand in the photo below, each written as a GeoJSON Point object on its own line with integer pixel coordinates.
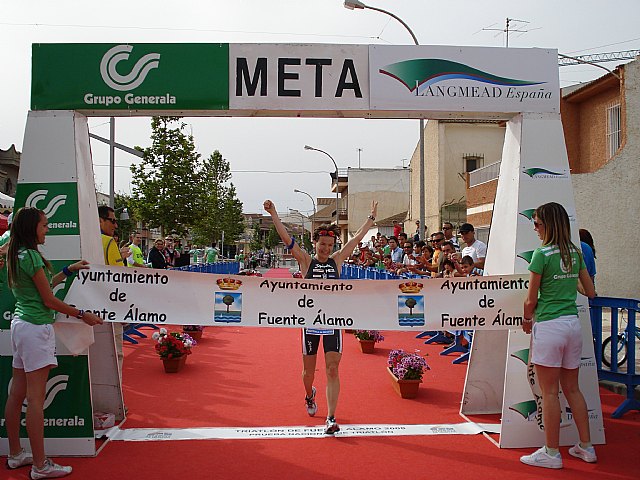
{"type": "Point", "coordinates": [527, 324]}
{"type": "Point", "coordinates": [374, 208]}
{"type": "Point", "coordinates": [269, 206]}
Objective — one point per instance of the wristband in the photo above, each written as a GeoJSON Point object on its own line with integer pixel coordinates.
{"type": "Point", "coordinates": [80, 314]}
{"type": "Point", "coordinates": [372, 218]}
{"type": "Point", "coordinates": [293, 241]}
{"type": "Point", "coordinates": [66, 271]}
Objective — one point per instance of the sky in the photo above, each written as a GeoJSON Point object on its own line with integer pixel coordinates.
{"type": "Point", "coordinates": [267, 156]}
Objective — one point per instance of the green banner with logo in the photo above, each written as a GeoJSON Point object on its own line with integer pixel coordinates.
{"type": "Point", "coordinates": [59, 201]}
{"type": "Point", "coordinates": [190, 76]}
{"type": "Point", "coordinates": [67, 405]}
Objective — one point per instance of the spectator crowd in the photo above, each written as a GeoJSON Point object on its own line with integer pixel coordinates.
{"type": "Point", "coordinates": [441, 255]}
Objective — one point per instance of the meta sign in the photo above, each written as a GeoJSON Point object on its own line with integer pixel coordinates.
{"type": "Point", "coordinates": [321, 80]}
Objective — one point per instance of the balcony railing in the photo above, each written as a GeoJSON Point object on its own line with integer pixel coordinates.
{"type": "Point", "coordinates": [484, 174]}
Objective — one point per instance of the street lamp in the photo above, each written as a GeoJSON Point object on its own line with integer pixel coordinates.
{"type": "Point", "coordinates": [295, 190]}
{"type": "Point", "coordinates": [356, 4]}
{"type": "Point", "coordinates": [297, 212]}
{"type": "Point", "coordinates": [307, 147]}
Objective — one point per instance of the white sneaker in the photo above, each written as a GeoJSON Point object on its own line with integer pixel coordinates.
{"type": "Point", "coordinates": [586, 454]}
{"type": "Point", "coordinates": [312, 406]}
{"type": "Point", "coordinates": [540, 458]}
{"type": "Point", "coordinates": [332, 426]}
{"type": "Point", "coordinates": [49, 470]}
{"type": "Point", "coordinates": [20, 460]}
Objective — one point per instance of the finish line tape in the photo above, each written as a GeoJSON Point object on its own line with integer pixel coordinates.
{"type": "Point", "coordinates": [236, 433]}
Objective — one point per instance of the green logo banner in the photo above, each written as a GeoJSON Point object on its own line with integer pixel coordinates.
{"type": "Point", "coordinates": [130, 77]}
{"type": "Point", "coordinates": [67, 405]}
{"type": "Point", "coordinates": [59, 201]}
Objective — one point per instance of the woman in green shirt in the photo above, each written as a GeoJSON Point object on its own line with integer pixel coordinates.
{"type": "Point", "coordinates": [32, 338]}
{"type": "Point", "coordinates": [556, 344]}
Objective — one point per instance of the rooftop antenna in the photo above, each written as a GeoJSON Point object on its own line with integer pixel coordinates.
{"type": "Point", "coordinates": [509, 28]}
{"type": "Point", "coordinates": [359, 152]}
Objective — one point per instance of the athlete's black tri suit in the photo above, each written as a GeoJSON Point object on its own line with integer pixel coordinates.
{"type": "Point", "coordinates": [331, 339]}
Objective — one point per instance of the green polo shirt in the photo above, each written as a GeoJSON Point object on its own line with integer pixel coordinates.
{"type": "Point", "coordinates": [558, 286]}
{"type": "Point", "coordinates": [29, 306]}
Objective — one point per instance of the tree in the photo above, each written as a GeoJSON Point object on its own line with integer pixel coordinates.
{"type": "Point", "coordinates": [272, 238]}
{"type": "Point", "coordinates": [256, 242]}
{"type": "Point", "coordinates": [410, 302]}
{"type": "Point", "coordinates": [166, 184]}
{"type": "Point", "coordinates": [221, 209]}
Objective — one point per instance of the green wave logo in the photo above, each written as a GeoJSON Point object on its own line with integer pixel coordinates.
{"type": "Point", "coordinates": [525, 408]}
{"type": "Point", "coordinates": [420, 73]}
{"type": "Point", "coordinates": [527, 256]}
{"type": "Point", "coordinates": [522, 355]}
{"type": "Point", "coordinates": [528, 213]}
{"type": "Point", "coordinates": [532, 172]}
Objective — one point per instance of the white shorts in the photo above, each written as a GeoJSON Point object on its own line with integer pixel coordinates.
{"type": "Point", "coordinates": [557, 342]}
{"type": "Point", "coordinates": [33, 346]}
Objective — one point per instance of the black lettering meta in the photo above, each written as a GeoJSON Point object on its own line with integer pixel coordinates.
{"type": "Point", "coordinates": [283, 75]}
{"type": "Point", "coordinates": [348, 67]}
{"type": "Point", "coordinates": [318, 62]}
{"type": "Point", "coordinates": [259, 75]}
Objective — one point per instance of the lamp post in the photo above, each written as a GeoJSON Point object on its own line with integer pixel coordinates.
{"type": "Point", "coordinates": [307, 147]}
{"type": "Point", "coordinates": [356, 4]}
{"type": "Point", "coordinates": [295, 190]}
{"type": "Point", "coordinates": [297, 212]}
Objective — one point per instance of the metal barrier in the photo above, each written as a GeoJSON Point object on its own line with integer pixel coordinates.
{"type": "Point", "coordinates": [619, 341]}
{"type": "Point", "coordinates": [223, 268]}
{"type": "Point", "coordinates": [356, 272]}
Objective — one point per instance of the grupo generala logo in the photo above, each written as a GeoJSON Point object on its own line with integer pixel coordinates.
{"type": "Point", "coordinates": [421, 76]}
{"type": "Point", "coordinates": [134, 78]}
{"type": "Point", "coordinates": [116, 75]}
{"type": "Point", "coordinates": [539, 173]}
{"type": "Point", "coordinates": [55, 385]}
{"type": "Point", "coordinates": [51, 208]}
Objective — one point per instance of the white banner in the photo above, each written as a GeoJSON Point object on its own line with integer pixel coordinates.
{"type": "Point", "coordinates": [252, 433]}
{"type": "Point", "coordinates": [120, 294]}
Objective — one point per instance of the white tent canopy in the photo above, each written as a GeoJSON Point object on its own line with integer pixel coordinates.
{"type": "Point", "coordinates": [6, 201]}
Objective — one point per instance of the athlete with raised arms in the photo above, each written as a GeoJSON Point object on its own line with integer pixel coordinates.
{"type": "Point", "coordinates": [324, 264]}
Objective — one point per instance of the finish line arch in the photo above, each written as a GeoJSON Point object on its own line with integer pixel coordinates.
{"type": "Point", "coordinates": [71, 82]}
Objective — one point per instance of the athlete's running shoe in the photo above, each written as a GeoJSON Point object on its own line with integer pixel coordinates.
{"type": "Point", "coordinates": [49, 470]}
{"type": "Point", "coordinates": [540, 458]}
{"type": "Point", "coordinates": [312, 406]}
{"type": "Point", "coordinates": [586, 454]}
{"type": "Point", "coordinates": [332, 426]}
{"type": "Point", "coordinates": [20, 460]}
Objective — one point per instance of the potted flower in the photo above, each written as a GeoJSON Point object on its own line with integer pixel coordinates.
{"type": "Point", "coordinates": [368, 339]}
{"type": "Point", "coordinates": [173, 348]}
{"type": "Point", "coordinates": [406, 370]}
{"type": "Point", "coordinates": [194, 331]}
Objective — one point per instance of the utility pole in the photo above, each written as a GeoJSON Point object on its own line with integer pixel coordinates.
{"type": "Point", "coordinates": [359, 152]}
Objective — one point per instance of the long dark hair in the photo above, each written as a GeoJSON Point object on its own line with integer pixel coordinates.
{"type": "Point", "coordinates": [557, 231]}
{"type": "Point", "coordinates": [23, 235]}
{"type": "Point", "coordinates": [585, 236]}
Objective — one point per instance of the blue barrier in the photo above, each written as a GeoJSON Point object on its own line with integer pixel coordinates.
{"type": "Point", "coordinates": [627, 339]}
{"type": "Point", "coordinates": [220, 268]}
{"type": "Point", "coordinates": [356, 272]}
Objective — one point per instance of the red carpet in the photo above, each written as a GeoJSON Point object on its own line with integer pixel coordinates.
{"type": "Point", "coordinates": [252, 377]}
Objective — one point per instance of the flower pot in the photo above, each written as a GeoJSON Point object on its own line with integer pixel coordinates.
{"type": "Point", "coordinates": [195, 334]}
{"type": "Point", "coordinates": [174, 365]}
{"type": "Point", "coordinates": [367, 346]}
{"type": "Point", "coordinates": [404, 388]}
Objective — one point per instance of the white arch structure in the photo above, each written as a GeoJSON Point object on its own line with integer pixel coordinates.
{"type": "Point", "coordinates": [519, 86]}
